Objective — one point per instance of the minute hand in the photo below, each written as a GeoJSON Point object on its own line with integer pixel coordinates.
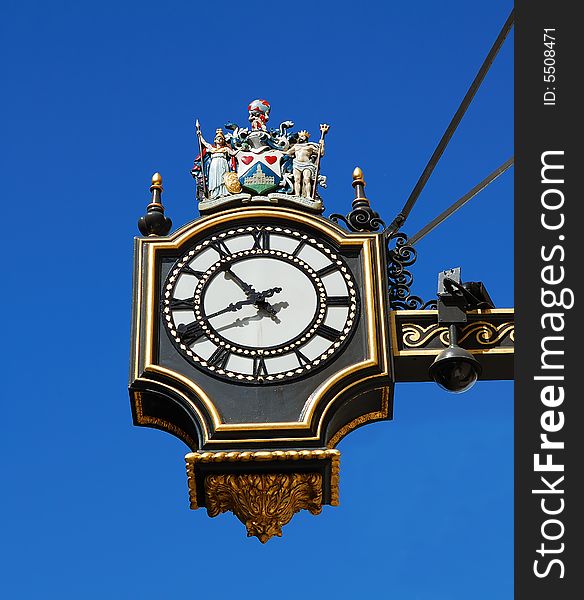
{"type": "Point", "coordinates": [232, 307]}
{"type": "Point", "coordinates": [255, 298]}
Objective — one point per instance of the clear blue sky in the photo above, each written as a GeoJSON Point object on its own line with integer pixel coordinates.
{"type": "Point", "coordinates": [97, 97]}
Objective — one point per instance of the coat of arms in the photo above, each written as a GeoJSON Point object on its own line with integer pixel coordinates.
{"type": "Point", "coordinates": [259, 164]}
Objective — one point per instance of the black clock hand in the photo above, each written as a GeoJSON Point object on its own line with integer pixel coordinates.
{"type": "Point", "coordinates": [272, 310]}
{"type": "Point", "coordinates": [255, 298]}
{"type": "Point", "coordinates": [268, 293]}
{"type": "Point", "coordinates": [248, 289]}
{"type": "Point", "coordinates": [229, 274]}
{"type": "Point", "coordinates": [232, 307]}
{"type": "Point", "coordinates": [258, 317]}
{"type": "Point", "coordinates": [261, 302]}
{"type": "Point", "coordinates": [268, 308]}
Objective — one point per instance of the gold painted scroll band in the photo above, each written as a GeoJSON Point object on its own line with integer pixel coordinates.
{"type": "Point", "coordinates": [418, 337]}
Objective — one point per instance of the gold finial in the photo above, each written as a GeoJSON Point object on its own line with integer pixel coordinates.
{"type": "Point", "coordinates": [359, 186]}
{"type": "Point", "coordinates": [154, 222]}
{"type": "Point", "coordinates": [358, 180]}
{"type": "Point", "coordinates": [156, 188]}
{"type": "Point", "coordinates": [358, 177]}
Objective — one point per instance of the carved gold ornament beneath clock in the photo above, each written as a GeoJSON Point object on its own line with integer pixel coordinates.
{"type": "Point", "coordinates": [264, 502]}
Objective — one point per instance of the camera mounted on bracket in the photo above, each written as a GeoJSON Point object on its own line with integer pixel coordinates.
{"type": "Point", "coordinates": [456, 369]}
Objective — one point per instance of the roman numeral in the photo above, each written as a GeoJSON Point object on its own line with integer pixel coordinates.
{"type": "Point", "coordinates": [299, 248]}
{"type": "Point", "coordinates": [190, 333]}
{"type": "Point", "coordinates": [220, 247]}
{"type": "Point", "coordinates": [219, 358]}
{"type": "Point", "coordinates": [326, 270]}
{"type": "Point", "coordinates": [328, 333]}
{"type": "Point", "coordinates": [189, 271]}
{"type": "Point", "coordinates": [259, 367]}
{"type": "Point", "coordinates": [186, 303]}
{"type": "Point", "coordinates": [261, 240]}
{"type": "Point", "coordinates": [338, 301]}
{"type": "Point", "coordinates": [302, 360]}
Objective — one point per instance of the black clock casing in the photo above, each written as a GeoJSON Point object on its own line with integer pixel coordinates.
{"type": "Point", "coordinates": [258, 388]}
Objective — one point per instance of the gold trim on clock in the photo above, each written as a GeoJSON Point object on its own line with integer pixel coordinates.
{"type": "Point", "coordinates": [395, 340]}
{"type": "Point", "coordinates": [143, 419]}
{"type": "Point", "coordinates": [372, 302]}
{"type": "Point", "coordinates": [366, 418]}
{"type": "Point", "coordinates": [192, 458]}
{"type": "Point", "coordinates": [137, 305]}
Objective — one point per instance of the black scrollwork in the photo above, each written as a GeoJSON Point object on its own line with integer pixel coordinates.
{"type": "Point", "coordinates": [400, 255]}
{"type": "Point", "coordinates": [361, 218]}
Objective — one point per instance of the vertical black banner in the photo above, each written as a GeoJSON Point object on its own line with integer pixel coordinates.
{"type": "Point", "coordinates": [549, 423]}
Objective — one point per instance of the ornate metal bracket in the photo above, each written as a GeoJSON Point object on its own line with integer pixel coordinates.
{"type": "Point", "coordinates": [399, 256]}
{"type": "Point", "coordinates": [362, 217]}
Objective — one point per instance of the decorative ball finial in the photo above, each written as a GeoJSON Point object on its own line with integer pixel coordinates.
{"type": "Point", "coordinates": [154, 222]}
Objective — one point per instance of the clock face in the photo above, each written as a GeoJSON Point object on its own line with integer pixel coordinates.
{"type": "Point", "coordinates": [260, 304]}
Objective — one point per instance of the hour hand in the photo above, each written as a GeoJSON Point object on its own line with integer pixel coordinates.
{"type": "Point", "coordinates": [248, 289]}
{"type": "Point", "coordinates": [269, 293]}
{"type": "Point", "coordinates": [262, 304]}
{"type": "Point", "coordinates": [267, 307]}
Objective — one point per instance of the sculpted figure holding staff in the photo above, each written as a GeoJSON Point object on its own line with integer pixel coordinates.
{"type": "Point", "coordinates": [220, 153]}
{"type": "Point", "coordinates": [306, 161]}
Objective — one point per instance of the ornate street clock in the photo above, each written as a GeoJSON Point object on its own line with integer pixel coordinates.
{"type": "Point", "coordinates": [262, 331]}
{"type": "Point", "coordinates": [255, 331]}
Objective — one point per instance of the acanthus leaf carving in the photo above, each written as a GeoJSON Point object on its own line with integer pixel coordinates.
{"type": "Point", "coordinates": [263, 502]}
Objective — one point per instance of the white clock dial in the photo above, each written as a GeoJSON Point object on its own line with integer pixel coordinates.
{"type": "Point", "coordinates": [294, 301]}
{"type": "Point", "coordinates": [260, 304]}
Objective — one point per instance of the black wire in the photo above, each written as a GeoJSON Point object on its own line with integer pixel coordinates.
{"type": "Point", "coordinates": [459, 203]}
{"type": "Point", "coordinates": [400, 219]}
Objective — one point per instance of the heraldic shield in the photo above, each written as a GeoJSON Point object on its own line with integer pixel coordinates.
{"type": "Point", "coordinates": [260, 172]}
